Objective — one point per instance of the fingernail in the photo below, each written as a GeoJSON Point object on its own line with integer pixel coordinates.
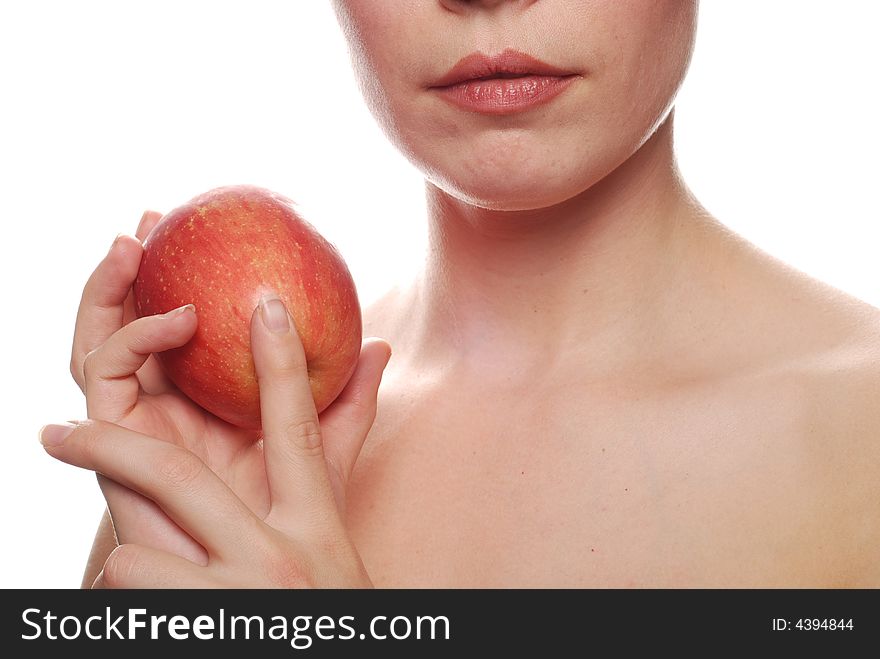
{"type": "Point", "coordinates": [119, 237]}
{"type": "Point", "coordinates": [274, 314]}
{"type": "Point", "coordinates": [180, 310]}
{"type": "Point", "coordinates": [55, 434]}
{"type": "Point", "coordinates": [143, 219]}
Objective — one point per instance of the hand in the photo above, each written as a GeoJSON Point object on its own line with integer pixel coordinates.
{"type": "Point", "coordinates": [298, 541]}
{"type": "Point", "coordinates": [142, 398]}
{"type": "Point", "coordinates": [111, 361]}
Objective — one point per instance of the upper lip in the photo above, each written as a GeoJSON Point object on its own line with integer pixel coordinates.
{"type": "Point", "coordinates": [508, 64]}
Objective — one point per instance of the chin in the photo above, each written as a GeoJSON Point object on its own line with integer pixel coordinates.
{"type": "Point", "coordinates": [506, 189]}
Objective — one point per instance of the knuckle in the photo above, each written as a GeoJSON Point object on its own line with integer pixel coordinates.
{"type": "Point", "coordinates": [121, 565]}
{"type": "Point", "coordinates": [76, 370]}
{"type": "Point", "coordinates": [140, 334]}
{"type": "Point", "coordinates": [362, 412]}
{"type": "Point", "coordinates": [362, 398]}
{"type": "Point", "coordinates": [87, 438]}
{"type": "Point", "coordinates": [89, 364]}
{"type": "Point", "coordinates": [305, 434]}
{"type": "Point", "coordinates": [178, 469]}
{"type": "Point", "coordinates": [284, 569]}
{"type": "Point", "coordinates": [363, 403]}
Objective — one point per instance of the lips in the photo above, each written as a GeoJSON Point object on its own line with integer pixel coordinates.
{"type": "Point", "coordinates": [508, 83]}
{"type": "Point", "coordinates": [508, 64]}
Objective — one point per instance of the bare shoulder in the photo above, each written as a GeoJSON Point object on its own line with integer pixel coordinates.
{"type": "Point", "coordinates": [831, 362]}
{"type": "Point", "coordinates": [844, 447]}
{"type": "Point", "coordinates": [844, 382]}
{"type": "Point", "coordinates": [833, 346]}
{"type": "Point", "coordinates": [802, 359]}
{"type": "Point", "coordinates": [807, 328]}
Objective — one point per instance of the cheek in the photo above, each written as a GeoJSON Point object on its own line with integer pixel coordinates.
{"type": "Point", "coordinates": [647, 47]}
{"type": "Point", "coordinates": [385, 46]}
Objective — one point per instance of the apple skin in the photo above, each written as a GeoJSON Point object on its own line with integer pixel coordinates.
{"type": "Point", "coordinates": [222, 251]}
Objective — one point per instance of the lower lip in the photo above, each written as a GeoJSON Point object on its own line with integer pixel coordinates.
{"type": "Point", "coordinates": [505, 95]}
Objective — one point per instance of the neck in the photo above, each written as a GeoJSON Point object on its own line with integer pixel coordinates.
{"type": "Point", "coordinates": [512, 289]}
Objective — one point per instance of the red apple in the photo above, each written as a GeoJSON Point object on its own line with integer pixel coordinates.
{"type": "Point", "coordinates": [222, 251]}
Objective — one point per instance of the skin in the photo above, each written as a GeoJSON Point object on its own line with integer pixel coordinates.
{"type": "Point", "coordinates": [193, 501]}
{"type": "Point", "coordinates": [594, 382]}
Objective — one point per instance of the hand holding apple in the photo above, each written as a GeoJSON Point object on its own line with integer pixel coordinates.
{"type": "Point", "coordinates": [299, 539]}
{"type": "Point", "coordinates": [112, 362]}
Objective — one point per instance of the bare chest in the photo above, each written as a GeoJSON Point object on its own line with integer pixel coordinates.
{"type": "Point", "coordinates": [581, 490]}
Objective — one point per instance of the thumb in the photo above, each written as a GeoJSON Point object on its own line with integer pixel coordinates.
{"type": "Point", "coordinates": [346, 423]}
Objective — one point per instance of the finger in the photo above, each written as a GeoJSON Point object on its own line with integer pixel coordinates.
{"type": "Point", "coordinates": [181, 484]}
{"type": "Point", "coordinates": [136, 566]}
{"type": "Point", "coordinates": [153, 528]}
{"type": "Point", "coordinates": [295, 468]}
{"type": "Point", "coordinates": [148, 220]}
{"type": "Point", "coordinates": [100, 310]}
{"type": "Point", "coordinates": [109, 371]}
{"type": "Point", "coordinates": [346, 423]}
{"type": "Point", "coordinates": [151, 376]}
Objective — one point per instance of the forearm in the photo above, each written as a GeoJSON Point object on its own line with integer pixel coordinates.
{"type": "Point", "coordinates": [104, 543]}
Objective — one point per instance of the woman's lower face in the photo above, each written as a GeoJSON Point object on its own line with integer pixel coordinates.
{"type": "Point", "coordinates": [626, 60]}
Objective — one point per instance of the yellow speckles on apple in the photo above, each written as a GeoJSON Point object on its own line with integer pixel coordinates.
{"type": "Point", "coordinates": [217, 249]}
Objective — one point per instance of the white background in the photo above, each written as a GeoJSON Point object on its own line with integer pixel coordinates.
{"type": "Point", "coordinates": [108, 108]}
